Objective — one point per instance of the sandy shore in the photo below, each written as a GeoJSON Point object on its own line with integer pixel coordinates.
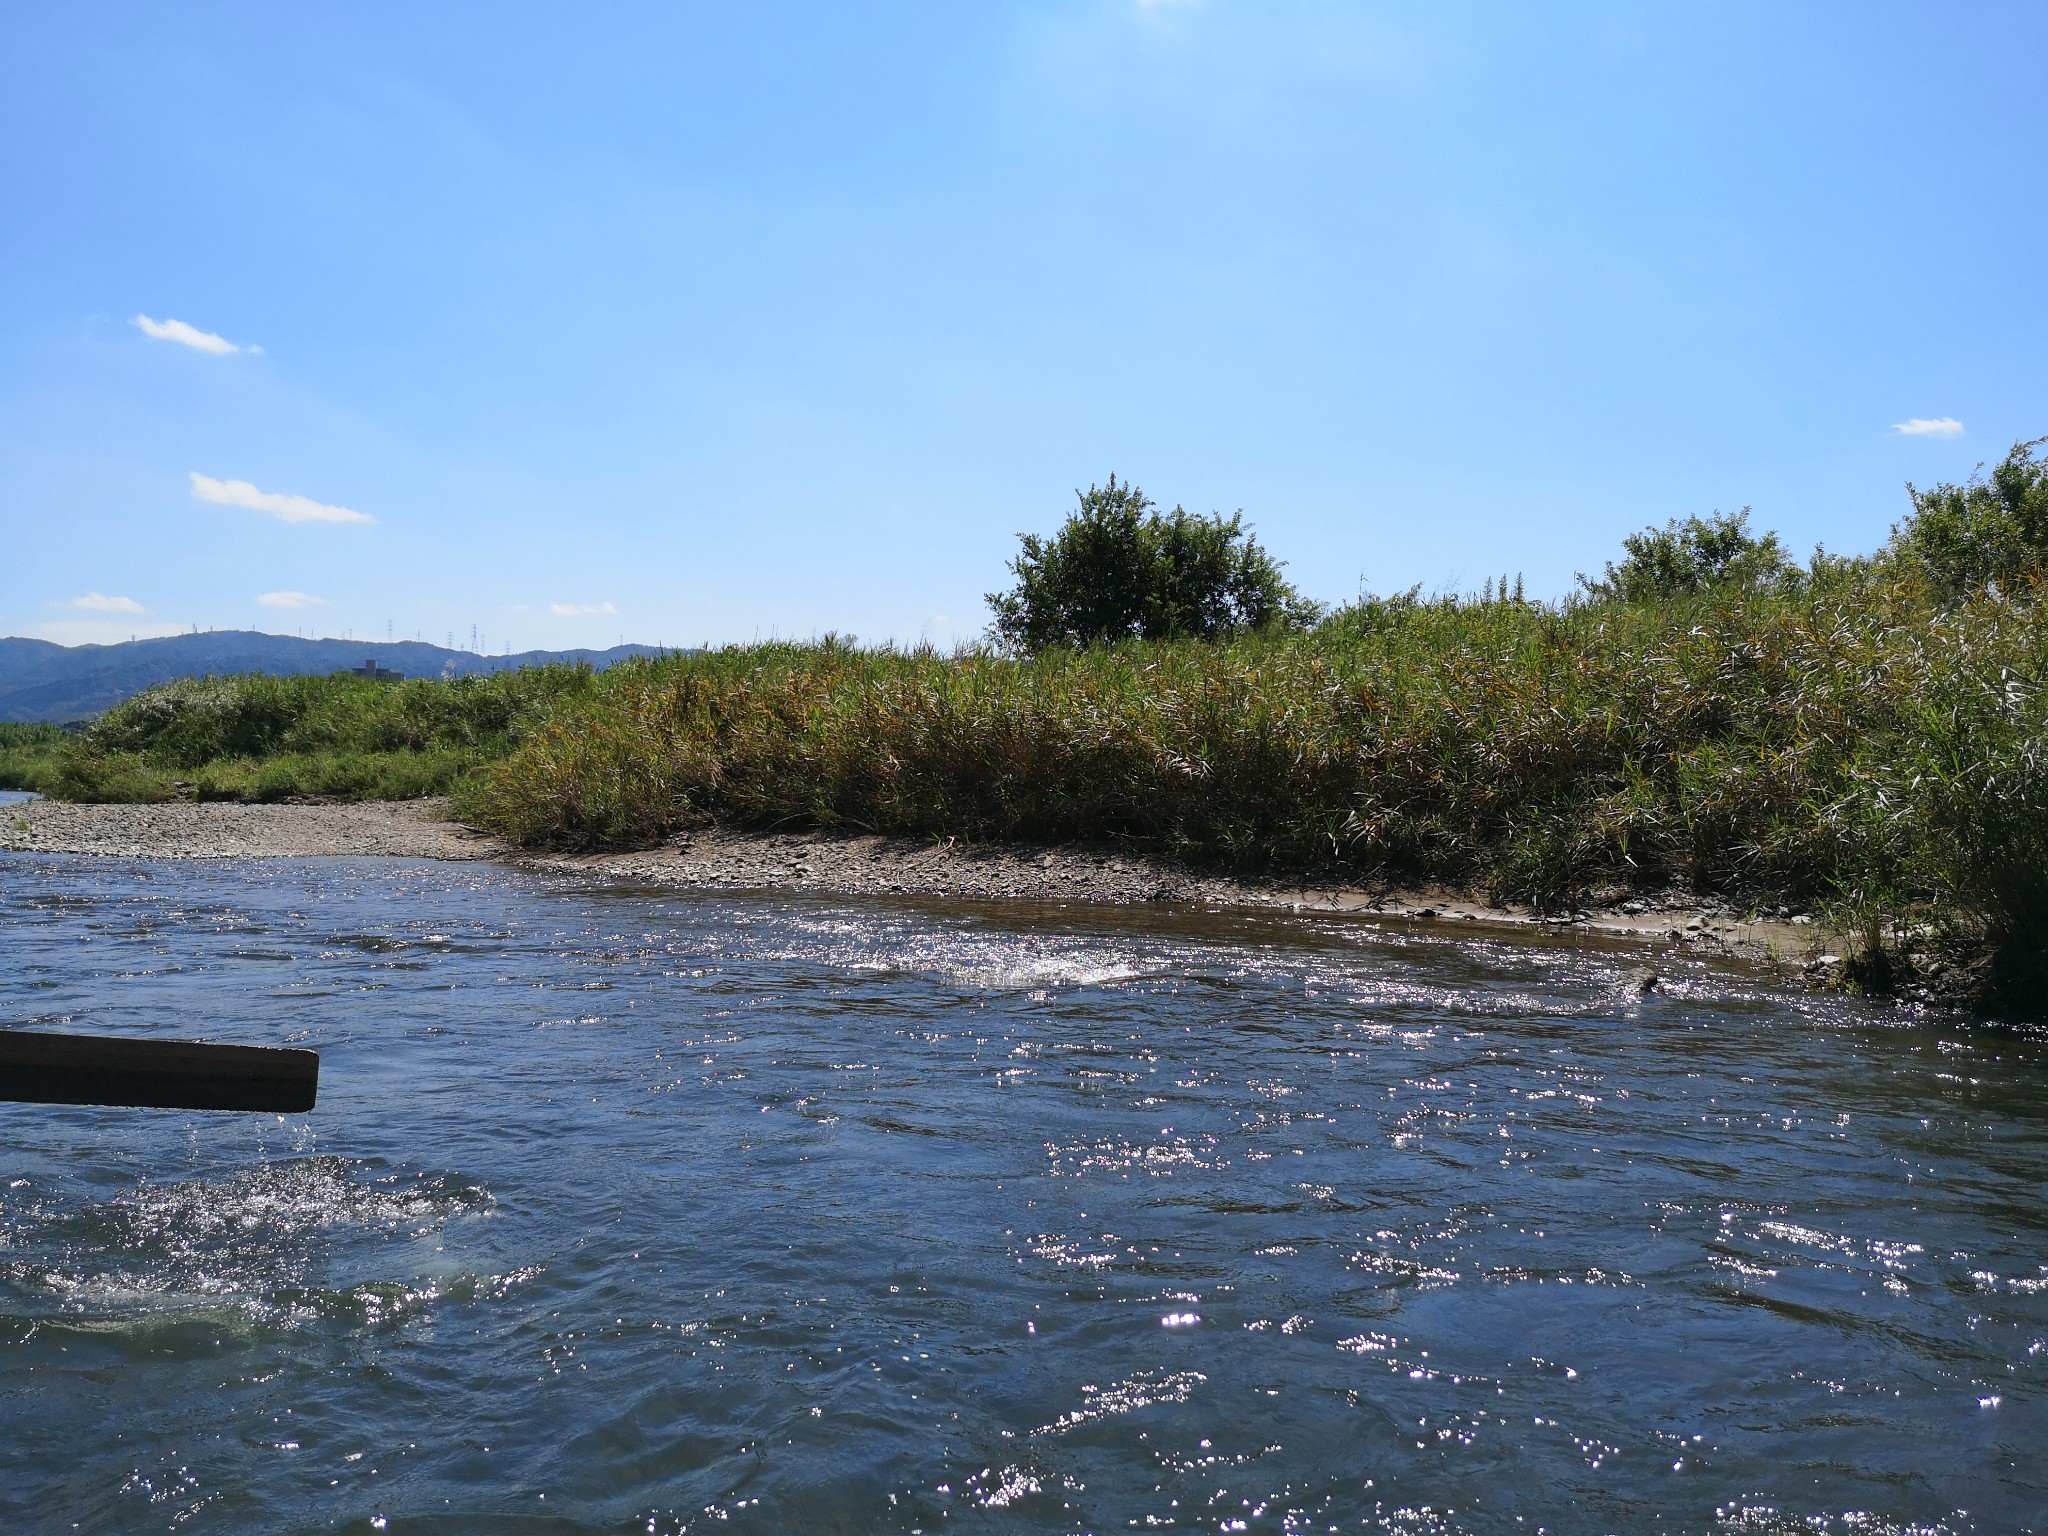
{"type": "Point", "coordinates": [837, 864]}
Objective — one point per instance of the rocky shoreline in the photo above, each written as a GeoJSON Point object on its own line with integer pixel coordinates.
{"type": "Point", "coordinates": [847, 864]}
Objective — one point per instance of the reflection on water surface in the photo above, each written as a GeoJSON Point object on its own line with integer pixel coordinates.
{"type": "Point", "coordinates": [639, 1211]}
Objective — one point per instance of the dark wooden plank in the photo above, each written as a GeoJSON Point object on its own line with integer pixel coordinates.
{"type": "Point", "coordinates": [42, 1068]}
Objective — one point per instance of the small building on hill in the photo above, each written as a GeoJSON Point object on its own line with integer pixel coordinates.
{"type": "Point", "coordinates": [377, 674]}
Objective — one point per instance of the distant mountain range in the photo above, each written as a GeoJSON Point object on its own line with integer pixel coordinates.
{"type": "Point", "coordinates": [40, 681]}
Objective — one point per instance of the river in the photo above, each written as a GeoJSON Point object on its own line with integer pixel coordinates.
{"type": "Point", "coordinates": [637, 1211]}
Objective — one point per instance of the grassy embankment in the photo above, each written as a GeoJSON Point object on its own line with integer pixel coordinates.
{"type": "Point", "coordinates": [1848, 743]}
{"type": "Point", "coordinates": [30, 756]}
{"type": "Point", "coordinates": [278, 738]}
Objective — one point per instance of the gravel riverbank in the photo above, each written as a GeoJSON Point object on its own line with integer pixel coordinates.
{"type": "Point", "coordinates": [835, 863]}
{"type": "Point", "coordinates": [417, 829]}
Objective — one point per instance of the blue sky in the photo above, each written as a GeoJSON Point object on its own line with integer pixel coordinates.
{"type": "Point", "coordinates": [684, 323]}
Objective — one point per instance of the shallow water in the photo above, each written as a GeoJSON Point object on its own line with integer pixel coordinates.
{"type": "Point", "coordinates": [631, 1211]}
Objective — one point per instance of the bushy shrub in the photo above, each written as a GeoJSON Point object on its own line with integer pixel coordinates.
{"type": "Point", "coordinates": [1119, 569]}
{"type": "Point", "coordinates": [1985, 534]}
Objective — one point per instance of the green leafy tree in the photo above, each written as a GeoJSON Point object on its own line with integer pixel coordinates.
{"type": "Point", "coordinates": [1119, 568]}
{"type": "Point", "coordinates": [1982, 534]}
{"type": "Point", "coordinates": [1697, 555]}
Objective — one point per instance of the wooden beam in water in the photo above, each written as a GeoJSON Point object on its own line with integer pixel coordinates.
{"type": "Point", "coordinates": [42, 1068]}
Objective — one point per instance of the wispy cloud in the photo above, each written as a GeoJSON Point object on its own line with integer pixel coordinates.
{"type": "Point", "coordinates": [290, 600]}
{"type": "Point", "coordinates": [286, 508]}
{"type": "Point", "coordinates": [188, 336]}
{"type": "Point", "coordinates": [577, 610]}
{"type": "Point", "coordinates": [99, 602]}
{"type": "Point", "coordinates": [1929, 426]}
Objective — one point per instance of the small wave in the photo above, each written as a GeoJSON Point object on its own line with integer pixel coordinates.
{"type": "Point", "coordinates": [999, 1488]}
{"type": "Point", "coordinates": [1141, 1390]}
{"type": "Point", "coordinates": [1158, 1159]}
{"type": "Point", "coordinates": [253, 1240]}
{"type": "Point", "coordinates": [1769, 1520]}
{"type": "Point", "coordinates": [280, 1200]}
{"type": "Point", "coordinates": [982, 962]}
{"type": "Point", "coordinates": [1000, 969]}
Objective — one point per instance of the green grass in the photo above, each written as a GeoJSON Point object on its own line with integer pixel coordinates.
{"type": "Point", "coordinates": [274, 738]}
{"type": "Point", "coordinates": [30, 756]}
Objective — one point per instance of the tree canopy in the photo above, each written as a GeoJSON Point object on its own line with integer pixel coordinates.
{"type": "Point", "coordinates": [1118, 568]}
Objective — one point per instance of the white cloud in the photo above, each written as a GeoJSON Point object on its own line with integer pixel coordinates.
{"type": "Point", "coordinates": [290, 600]}
{"type": "Point", "coordinates": [578, 610]}
{"type": "Point", "coordinates": [188, 336]}
{"type": "Point", "coordinates": [99, 602]}
{"type": "Point", "coordinates": [110, 631]}
{"type": "Point", "coordinates": [286, 508]}
{"type": "Point", "coordinates": [1929, 426]}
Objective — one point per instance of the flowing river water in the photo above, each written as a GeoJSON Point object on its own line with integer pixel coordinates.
{"type": "Point", "coordinates": [638, 1211]}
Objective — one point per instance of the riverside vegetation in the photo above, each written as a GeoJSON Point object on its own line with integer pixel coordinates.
{"type": "Point", "coordinates": [29, 755]}
{"type": "Point", "coordinates": [278, 738]}
{"type": "Point", "coordinates": [1865, 736]}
